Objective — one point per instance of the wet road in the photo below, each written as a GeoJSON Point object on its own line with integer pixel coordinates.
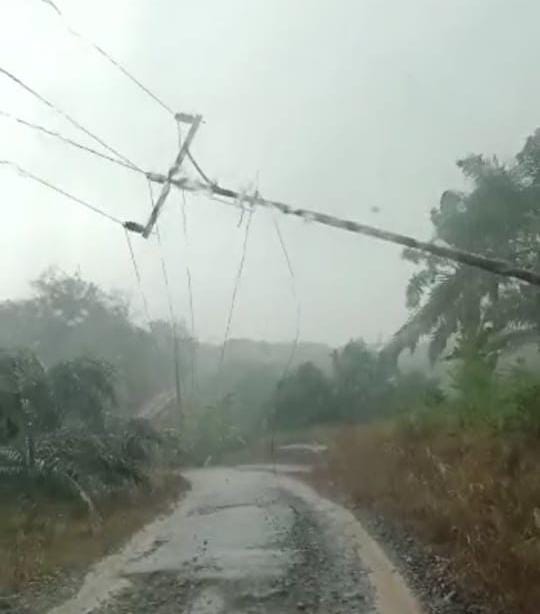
{"type": "Point", "coordinates": [247, 540]}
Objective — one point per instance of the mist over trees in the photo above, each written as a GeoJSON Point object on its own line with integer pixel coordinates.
{"type": "Point", "coordinates": [67, 317]}
{"type": "Point", "coordinates": [69, 331]}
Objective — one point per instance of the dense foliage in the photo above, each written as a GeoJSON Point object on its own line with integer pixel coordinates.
{"type": "Point", "coordinates": [499, 217]}
{"type": "Point", "coordinates": [362, 386]}
{"type": "Point", "coordinates": [67, 317]}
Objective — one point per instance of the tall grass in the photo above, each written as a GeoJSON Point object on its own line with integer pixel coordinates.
{"type": "Point", "coordinates": [465, 478]}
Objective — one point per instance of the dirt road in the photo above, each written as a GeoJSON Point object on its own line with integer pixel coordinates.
{"type": "Point", "coordinates": [247, 540]}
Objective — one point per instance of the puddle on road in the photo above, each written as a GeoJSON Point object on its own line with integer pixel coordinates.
{"type": "Point", "coordinates": [231, 542]}
{"type": "Point", "coordinates": [231, 525]}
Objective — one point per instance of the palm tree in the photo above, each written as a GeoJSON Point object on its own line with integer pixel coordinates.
{"type": "Point", "coordinates": [84, 388]}
{"type": "Point", "coordinates": [27, 405]}
{"type": "Point", "coordinates": [498, 218]}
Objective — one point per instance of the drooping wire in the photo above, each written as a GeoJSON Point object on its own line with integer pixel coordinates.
{"type": "Point", "coordinates": [162, 258]}
{"type": "Point", "coordinates": [68, 141]}
{"type": "Point", "coordinates": [108, 57]}
{"type": "Point", "coordinates": [294, 346]}
{"type": "Point", "coordinates": [194, 377]}
{"type": "Point", "coordinates": [294, 290]}
{"type": "Point", "coordinates": [27, 174]}
{"type": "Point", "coordinates": [198, 168]}
{"type": "Point", "coordinates": [133, 79]}
{"type": "Point", "coordinates": [67, 117]}
{"type": "Point", "coordinates": [172, 317]}
{"type": "Point", "coordinates": [235, 292]}
{"type": "Point", "coordinates": [139, 281]}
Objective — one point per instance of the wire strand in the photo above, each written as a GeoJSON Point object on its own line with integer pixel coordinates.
{"type": "Point", "coordinates": [119, 66]}
{"type": "Point", "coordinates": [294, 346]}
{"type": "Point", "coordinates": [194, 376]}
{"type": "Point", "coordinates": [68, 141]}
{"type": "Point", "coordinates": [162, 259]}
{"type": "Point", "coordinates": [294, 290]}
{"type": "Point", "coordinates": [235, 292]}
{"type": "Point", "coordinates": [198, 168]}
{"type": "Point", "coordinates": [138, 279]}
{"type": "Point", "coordinates": [172, 317]}
{"type": "Point", "coordinates": [109, 58]}
{"type": "Point", "coordinates": [27, 174]}
{"type": "Point", "coordinates": [67, 117]}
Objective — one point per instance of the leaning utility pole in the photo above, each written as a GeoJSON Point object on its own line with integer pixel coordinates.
{"type": "Point", "coordinates": [194, 122]}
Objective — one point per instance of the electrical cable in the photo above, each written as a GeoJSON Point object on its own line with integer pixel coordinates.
{"type": "Point", "coordinates": [294, 346]}
{"type": "Point", "coordinates": [235, 292]}
{"type": "Point", "coordinates": [68, 141]}
{"type": "Point", "coordinates": [132, 78]}
{"type": "Point", "coordinates": [138, 279]}
{"type": "Point", "coordinates": [67, 117]}
{"type": "Point", "coordinates": [194, 377]}
{"type": "Point", "coordinates": [294, 290]}
{"type": "Point", "coordinates": [27, 174]}
{"type": "Point", "coordinates": [109, 58]}
{"type": "Point", "coordinates": [172, 317]}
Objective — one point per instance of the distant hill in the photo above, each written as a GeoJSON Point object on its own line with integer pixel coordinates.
{"type": "Point", "coordinates": [250, 353]}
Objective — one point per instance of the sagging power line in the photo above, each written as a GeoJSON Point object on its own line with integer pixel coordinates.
{"type": "Point", "coordinates": [495, 266]}
{"type": "Point", "coordinates": [296, 298]}
{"type": "Point", "coordinates": [29, 175]}
{"type": "Point", "coordinates": [194, 377]}
{"type": "Point", "coordinates": [64, 139]}
{"type": "Point", "coordinates": [236, 286]}
{"type": "Point", "coordinates": [107, 56]}
{"type": "Point", "coordinates": [129, 75]}
{"type": "Point", "coordinates": [67, 117]}
{"type": "Point", "coordinates": [138, 278]}
{"type": "Point", "coordinates": [172, 315]}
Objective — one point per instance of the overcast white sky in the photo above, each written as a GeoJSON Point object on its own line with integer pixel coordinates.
{"type": "Point", "coordinates": [334, 105]}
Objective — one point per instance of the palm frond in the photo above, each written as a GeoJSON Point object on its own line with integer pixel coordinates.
{"type": "Point", "coordinates": [446, 327]}
{"type": "Point", "coordinates": [442, 302]}
{"type": "Point", "coordinates": [512, 339]}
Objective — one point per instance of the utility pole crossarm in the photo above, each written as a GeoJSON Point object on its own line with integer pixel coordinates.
{"type": "Point", "coordinates": [195, 122]}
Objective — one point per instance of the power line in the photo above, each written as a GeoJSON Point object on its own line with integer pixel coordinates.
{"type": "Point", "coordinates": [119, 66]}
{"type": "Point", "coordinates": [494, 266]}
{"type": "Point", "coordinates": [174, 331]}
{"type": "Point", "coordinates": [294, 290]}
{"type": "Point", "coordinates": [109, 58]}
{"type": "Point", "coordinates": [194, 378]}
{"type": "Point", "coordinates": [138, 279]}
{"type": "Point", "coordinates": [68, 141]}
{"type": "Point", "coordinates": [162, 258]}
{"type": "Point", "coordinates": [294, 346]}
{"type": "Point", "coordinates": [199, 169]}
{"type": "Point", "coordinates": [235, 292]}
{"type": "Point", "coordinates": [80, 201]}
{"type": "Point", "coordinates": [67, 117]}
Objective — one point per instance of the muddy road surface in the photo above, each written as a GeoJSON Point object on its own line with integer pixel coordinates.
{"type": "Point", "coordinates": [247, 540]}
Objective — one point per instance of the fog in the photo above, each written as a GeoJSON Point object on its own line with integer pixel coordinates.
{"type": "Point", "coordinates": [356, 108]}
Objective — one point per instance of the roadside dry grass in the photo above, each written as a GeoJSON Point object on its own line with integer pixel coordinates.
{"type": "Point", "coordinates": [473, 496]}
{"type": "Point", "coordinates": [43, 539]}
